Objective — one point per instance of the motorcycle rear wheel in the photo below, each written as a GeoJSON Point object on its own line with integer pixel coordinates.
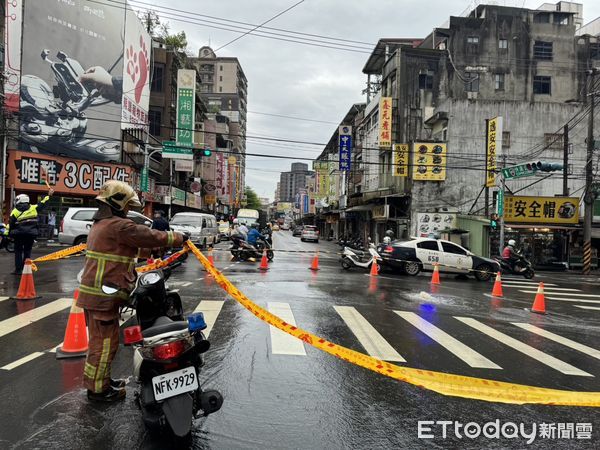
{"type": "Point", "coordinates": [346, 263]}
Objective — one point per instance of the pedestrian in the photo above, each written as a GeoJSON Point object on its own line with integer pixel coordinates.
{"type": "Point", "coordinates": [160, 223]}
{"type": "Point", "coordinates": [113, 244]}
{"type": "Point", "coordinates": [24, 227]}
{"type": "Point", "coordinates": [51, 222]}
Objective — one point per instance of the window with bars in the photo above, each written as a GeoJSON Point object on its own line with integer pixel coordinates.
{"type": "Point", "coordinates": [542, 85]}
{"type": "Point", "coordinates": [499, 81]}
{"type": "Point", "coordinates": [154, 119]}
{"type": "Point", "coordinates": [158, 76]}
{"type": "Point", "coordinates": [472, 83]}
{"type": "Point", "coordinates": [542, 50]}
{"type": "Point", "coordinates": [503, 44]}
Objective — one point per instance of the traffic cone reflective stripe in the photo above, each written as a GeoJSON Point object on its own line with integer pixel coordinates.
{"type": "Point", "coordinates": [315, 262]}
{"type": "Point", "coordinates": [435, 277]}
{"type": "Point", "coordinates": [539, 303]}
{"type": "Point", "coordinates": [497, 290]}
{"type": "Point", "coordinates": [26, 286]}
{"type": "Point", "coordinates": [374, 268]}
{"type": "Point", "coordinates": [75, 343]}
{"type": "Point", "coordinates": [264, 262]}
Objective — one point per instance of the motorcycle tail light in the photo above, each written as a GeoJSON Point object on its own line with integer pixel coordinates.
{"type": "Point", "coordinates": [389, 249]}
{"type": "Point", "coordinates": [132, 335]}
{"type": "Point", "coordinates": [169, 351]}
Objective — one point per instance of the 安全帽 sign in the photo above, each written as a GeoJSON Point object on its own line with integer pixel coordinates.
{"type": "Point", "coordinates": [541, 210]}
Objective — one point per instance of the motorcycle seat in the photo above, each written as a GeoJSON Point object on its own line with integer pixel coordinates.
{"type": "Point", "coordinates": [164, 325]}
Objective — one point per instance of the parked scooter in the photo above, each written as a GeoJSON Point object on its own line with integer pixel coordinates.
{"type": "Point", "coordinates": [521, 266]}
{"type": "Point", "coordinates": [357, 258]}
{"type": "Point", "coordinates": [167, 357]}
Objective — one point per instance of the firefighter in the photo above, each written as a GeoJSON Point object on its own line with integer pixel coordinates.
{"type": "Point", "coordinates": [112, 246]}
{"type": "Point", "coordinates": [24, 227]}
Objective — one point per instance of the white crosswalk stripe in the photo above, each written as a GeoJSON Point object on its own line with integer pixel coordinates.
{"type": "Point", "coordinates": [596, 308]}
{"type": "Point", "coordinates": [566, 293]}
{"type": "Point", "coordinates": [3, 298]}
{"type": "Point", "coordinates": [573, 300]}
{"type": "Point", "coordinates": [525, 283]}
{"type": "Point", "coordinates": [561, 340]}
{"type": "Point", "coordinates": [546, 290]}
{"type": "Point", "coordinates": [528, 350]}
{"type": "Point", "coordinates": [211, 310]}
{"type": "Point", "coordinates": [22, 320]}
{"type": "Point", "coordinates": [373, 342]}
{"type": "Point", "coordinates": [281, 342]}
{"type": "Point", "coordinates": [454, 346]}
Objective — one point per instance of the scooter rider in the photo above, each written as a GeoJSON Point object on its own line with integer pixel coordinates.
{"type": "Point", "coordinates": [254, 234]}
{"type": "Point", "coordinates": [113, 244]}
{"type": "Point", "coordinates": [511, 256]}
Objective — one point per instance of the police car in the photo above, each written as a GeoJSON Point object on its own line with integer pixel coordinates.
{"type": "Point", "coordinates": [419, 254]}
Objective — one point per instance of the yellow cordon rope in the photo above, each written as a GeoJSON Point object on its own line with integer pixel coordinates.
{"type": "Point", "coordinates": [61, 254]}
{"type": "Point", "coordinates": [442, 383]}
{"type": "Point", "coordinates": [159, 264]}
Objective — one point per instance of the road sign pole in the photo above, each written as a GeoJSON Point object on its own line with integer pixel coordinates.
{"type": "Point", "coordinates": [501, 216]}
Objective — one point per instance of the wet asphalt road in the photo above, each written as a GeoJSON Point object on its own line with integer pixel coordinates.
{"type": "Point", "coordinates": [280, 393]}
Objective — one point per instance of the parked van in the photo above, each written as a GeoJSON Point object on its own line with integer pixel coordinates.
{"type": "Point", "coordinates": [202, 228]}
{"type": "Point", "coordinates": [75, 226]}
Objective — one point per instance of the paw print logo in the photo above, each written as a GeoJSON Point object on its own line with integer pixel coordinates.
{"type": "Point", "coordinates": [137, 67]}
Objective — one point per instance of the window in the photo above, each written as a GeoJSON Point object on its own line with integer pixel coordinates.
{"type": "Point", "coordinates": [561, 18]}
{"type": "Point", "coordinates": [221, 67]}
{"type": "Point", "coordinates": [472, 83]}
{"type": "Point", "coordinates": [542, 50]}
{"type": "Point", "coordinates": [454, 249]}
{"type": "Point", "coordinates": [499, 81]}
{"type": "Point", "coordinates": [426, 80]}
{"type": "Point", "coordinates": [473, 40]}
{"type": "Point", "coordinates": [158, 76]}
{"type": "Point", "coordinates": [220, 88]}
{"type": "Point", "coordinates": [505, 139]}
{"type": "Point", "coordinates": [503, 44]}
{"type": "Point", "coordinates": [542, 85]}
{"type": "Point", "coordinates": [472, 45]}
{"type": "Point", "coordinates": [428, 245]}
{"type": "Point", "coordinates": [542, 18]}
{"type": "Point", "coordinates": [155, 118]}
{"type": "Point", "coordinates": [85, 215]}
{"type": "Point", "coordinates": [221, 78]}
{"type": "Point", "coordinates": [203, 223]}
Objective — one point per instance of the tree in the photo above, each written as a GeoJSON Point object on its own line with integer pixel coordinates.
{"type": "Point", "coordinates": [177, 41]}
{"type": "Point", "coordinates": [252, 200]}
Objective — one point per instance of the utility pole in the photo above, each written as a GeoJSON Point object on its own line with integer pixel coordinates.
{"type": "Point", "coordinates": [566, 160]}
{"type": "Point", "coordinates": [486, 197]}
{"type": "Point", "coordinates": [501, 201]}
{"type": "Point", "coordinates": [588, 199]}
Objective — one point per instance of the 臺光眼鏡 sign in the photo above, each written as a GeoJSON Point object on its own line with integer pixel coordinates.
{"type": "Point", "coordinates": [541, 210]}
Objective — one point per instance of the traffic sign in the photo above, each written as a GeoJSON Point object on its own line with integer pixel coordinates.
{"type": "Point", "coordinates": [177, 151]}
{"type": "Point", "coordinates": [500, 200]}
{"type": "Point", "coordinates": [144, 182]}
{"type": "Point", "coordinates": [519, 171]}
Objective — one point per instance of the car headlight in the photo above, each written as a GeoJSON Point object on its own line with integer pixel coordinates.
{"type": "Point", "coordinates": [149, 278]}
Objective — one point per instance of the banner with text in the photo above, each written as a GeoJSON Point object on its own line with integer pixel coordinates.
{"type": "Point", "coordinates": [493, 142]}
{"type": "Point", "coordinates": [400, 160]}
{"type": "Point", "coordinates": [186, 107]}
{"type": "Point", "coordinates": [385, 122]}
{"type": "Point", "coordinates": [429, 161]}
{"type": "Point", "coordinates": [345, 142]}
{"type": "Point", "coordinates": [541, 210]}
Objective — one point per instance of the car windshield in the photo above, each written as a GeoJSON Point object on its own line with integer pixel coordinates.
{"type": "Point", "coordinates": [310, 228]}
{"type": "Point", "coordinates": [192, 221]}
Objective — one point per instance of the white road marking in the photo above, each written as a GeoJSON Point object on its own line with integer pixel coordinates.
{"type": "Point", "coordinates": [524, 280]}
{"type": "Point", "coordinates": [22, 320]}
{"type": "Point", "coordinates": [187, 284]}
{"type": "Point", "coordinates": [454, 346]}
{"type": "Point", "coordinates": [211, 310]}
{"type": "Point", "coordinates": [573, 300]}
{"type": "Point", "coordinates": [21, 361]}
{"type": "Point", "coordinates": [596, 308]}
{"type": "Point", "coordinates": [546, 290]}
{"type": "Point", "coordinates": [528, 350]}
{"type": "Point", "coordinates": [281, 342]}
{"type": "Point", "coordinates": [3, 298]}
{"type": "Point", "coordinates": [561, 340]}
{"type": "Point", "coordinates": [373, 342]}
{"type": "Point", "coordinates": [525, 283]}
{"type": "Point", "coordinates": [569, 294]}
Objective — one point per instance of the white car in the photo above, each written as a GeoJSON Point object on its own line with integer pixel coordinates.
{"type": "Point", "coordinates": [422, 253]}
{"type": "Point", "coordinates": [309, 233]}
{"type": "Point", "coordinates": [75, 225]}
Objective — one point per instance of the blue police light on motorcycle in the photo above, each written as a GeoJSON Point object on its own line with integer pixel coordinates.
{"type": "Point", "coordinates": [196, 322]}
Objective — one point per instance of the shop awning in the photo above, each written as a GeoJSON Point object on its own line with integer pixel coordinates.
{"type": "Point", "coordinates": [360, 208]}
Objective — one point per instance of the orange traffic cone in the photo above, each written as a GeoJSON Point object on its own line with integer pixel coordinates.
{"type": "Point", "coordinates": [75, 343]}
{"type": "Point", "coordinates": [374, 269]}
{"type": "Point", "coordinates": [497, 289]}
{"type": "Point", "coordinates": [211, 259]}
{"type": "Point", "coordinates": [435, 277]}
{"type": "Point", "coordinates": [264, 262]}
{"type": "Point", "coordinates": [539, 304]}
{"type": "Point", "coordinates": [315, 263]}
{"type": "Point", "coordinates": [26, 287]}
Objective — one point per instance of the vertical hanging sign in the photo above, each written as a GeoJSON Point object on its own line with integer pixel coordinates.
{"type": "Point", "coordinates": [493, 141]}
{"type": "Point", "coordinates": [186, 107]}
{"type": "Point", "coordinates": [400, 160]}
{"type": "Point", "coordinates": [345, 133]}
{"type": "Point", "coordinates": [385, 122]}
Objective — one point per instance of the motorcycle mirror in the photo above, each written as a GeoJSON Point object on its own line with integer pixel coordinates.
{"type": "Point", "coordinates": [109, 290]}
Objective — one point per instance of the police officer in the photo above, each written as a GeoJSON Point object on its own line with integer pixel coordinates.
{"type": "Point", "coordinates": [112, 246]}
{"type": "Point", "coordinates": [24, 227]}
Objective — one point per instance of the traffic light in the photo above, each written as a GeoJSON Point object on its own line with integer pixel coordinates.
{"type": "Point", "coordinates": [206, 152]}
{"type": "Point", "coordinates": [544, 166]}
{"type": "Point", "coordinates": [494, 221]}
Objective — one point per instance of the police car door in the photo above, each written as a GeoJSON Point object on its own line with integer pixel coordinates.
{"type": "Point", "coordinates": [455, 258]}
{"type": "Point", "coordinates": [428, 252]}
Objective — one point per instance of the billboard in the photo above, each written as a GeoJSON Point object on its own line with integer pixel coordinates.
{"type": "Point", "coordinates": [75, 60]}
{"type": "Point", "coordinates": [541, 210]}
{"type": "Point", "coordinates": [493, 147]}
{"type": "Point", "coordinates": [400, 168]}
{"type": "Point", "coordinates": [429, 161]}
{"type": "Point", "coordinates": [428, 223]}
{"type": "Point", "coordinates": [30, 171]}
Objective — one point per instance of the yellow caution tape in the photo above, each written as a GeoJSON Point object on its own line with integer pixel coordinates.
{"type": "Point", "coordinates": [443, 383]}
{"type": "Point", "coordinates": [67, 252]}
{"type": "Point", "coordinates": [160, 263]}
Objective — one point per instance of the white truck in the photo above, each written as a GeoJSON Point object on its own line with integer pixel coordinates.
{"type": "Point", "coordinates": [247, 216]}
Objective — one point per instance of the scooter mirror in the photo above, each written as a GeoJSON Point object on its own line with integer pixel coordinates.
{"type": "Point", "coordinates": [109, 290]}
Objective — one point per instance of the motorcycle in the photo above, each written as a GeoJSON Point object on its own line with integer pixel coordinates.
{"type": "Point", "coordinates": [6, 241]}
{"type": "Point", "coordinates": [242, 251]}
{"type": "Point", "coordinates": [525, 266]}
{"type": "Point", "coordinates": [167, 357]}
{"type": "Point", "coordinates": [358, 258]}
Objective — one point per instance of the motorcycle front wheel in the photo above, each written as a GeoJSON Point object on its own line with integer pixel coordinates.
{"type": "Point", "coordinates": [346, 263]}
{"type": "Point", "coordinates": [529, 274]}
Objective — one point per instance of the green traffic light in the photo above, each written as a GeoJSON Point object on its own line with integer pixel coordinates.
{"type": "Point", "coordinates": [206, 152]}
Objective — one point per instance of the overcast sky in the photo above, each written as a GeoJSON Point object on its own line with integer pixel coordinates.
{"type": "Point", "coordinates": [311, 82]}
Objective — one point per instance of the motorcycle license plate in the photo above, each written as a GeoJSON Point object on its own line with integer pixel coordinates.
{"type": "Point", "coordinates": [175, 383]}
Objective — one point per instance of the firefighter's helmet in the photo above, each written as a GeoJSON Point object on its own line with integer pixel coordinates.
{"type": "Point", "coordinates": [118, 195]}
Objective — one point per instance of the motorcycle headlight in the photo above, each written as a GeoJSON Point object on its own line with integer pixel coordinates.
{"type": "Point", "coordinates": [149, 278]}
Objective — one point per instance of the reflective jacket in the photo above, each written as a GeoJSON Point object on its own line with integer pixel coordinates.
{"type": "Point", "coordinates": [24, 219]}
{"type": "Point", "coordinates": [112, 246]}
